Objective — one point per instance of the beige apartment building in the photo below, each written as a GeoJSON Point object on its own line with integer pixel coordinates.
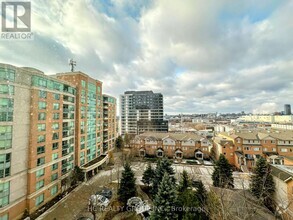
{"type": "Point", "coordinates": [172, 145]}
{"type": "Point", "coordinates": [36, 149]}
{"type": "Point", "coordinates": [109, 124]}
{"type": "Point", "coordinates": [48, 125]}
{"type": "Point", "coordinates": [89, 154]}
{"type": "Point", "coordinates": [242, 148]}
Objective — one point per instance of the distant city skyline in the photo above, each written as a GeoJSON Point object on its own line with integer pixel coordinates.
{"type": "Point", "coordinates": [212, 56]}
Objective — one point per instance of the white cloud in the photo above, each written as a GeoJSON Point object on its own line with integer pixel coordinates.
{"type": "Point", "coordinates": [202, 55]}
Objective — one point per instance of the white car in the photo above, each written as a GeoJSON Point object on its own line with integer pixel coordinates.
{"type": "Point", "coordinates": [98, 200]}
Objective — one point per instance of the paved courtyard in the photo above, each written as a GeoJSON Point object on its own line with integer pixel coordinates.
{"type": "Point", "coordinates": [75, 204]}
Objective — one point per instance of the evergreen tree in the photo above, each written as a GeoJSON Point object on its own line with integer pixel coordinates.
{"type": "Point", "coordinates": [166, 200]}
{"type": "Point", "coordinates": [201, 194]}
{"type": "Point", "coordinates": [223, 173]}
{"type": "Point", "coordinates": [126, 139]}
{"type": "Point", "coordinates": [148, 175]}
{"type": "Point", "coordinates": [184, 182]}
{"type": "Point", "coordinates": [163, 166]}
{"type": "Point", "coordinates": [119, 142]}
{"type": "Point", "coordinates": [77, 175]}
{"type": "Point", "coordinates": [262, 185]}
{"type": "Point", "coordinates": [127, 185]}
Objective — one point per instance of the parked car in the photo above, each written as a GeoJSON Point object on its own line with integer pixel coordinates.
{"type": "Point", "coordinates": [102, 201]}
{"type": "Point", "coordinates": [98, 200]}
{"type": "Point", "coordinates": [107, 193]}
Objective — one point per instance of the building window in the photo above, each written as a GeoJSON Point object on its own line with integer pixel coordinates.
{"type": "Point", "coordinates": [55, 166]}
{"type": "Point", "coordinates": [6, 109]}
{"type": "Point", "coordinates": [39, 199]}
{"type": "Point", "coordinates": [54, 177]}
{"type": "Point", "coordinates": [83, 111]}
{"type": "Point", "coordinates": [54, 190]}
{"type": "Point", "coordinates": [55, 126]}
{"type": "Point", "coordinates": [274, 149]}
{"type": "Point", "coordinates": [56, 96]}
{"type": "Point", "coordinates": [6, 103]}
{"type": "Point", "coordinates": [284, 150]}
{"type": "Point", "coordinates": [57, 86]}
{"type": "Point", "coordinates": [42, 105]}
{"type": "Point", "coordinates": [7, 74]}
{"type": "Point", "coordinates": [42, 82]}
{"type": "Point", "coordinates": [41, 127]}
{"type": "Point", "coordinates": [40, 161]}
{"type": "Point", "coordinates": [42, 94]}
{"type": "Point", "coordinates": [40, 184]}
{"type": "Point", "coordinates": [83, 84]}
{"type": "Point", "coordinates": [256, 149]}
{"type": "Point", "coordinates": [40, 150]}
{"type": "Point", "coordinates": [42, 116]}
{"type": "Point", "coordinates": [56, 106]}
{"type": "Point", "coordinates": [56, 116]}
{"type": "Point", "coordinates": [4, 194]}
{"type": "Point", "coordinates": [55, 146]}
{"type": "Point", "coordinates": [7, 89]}
{"type": "Point", "coordinates": [40, 173]}
{"type": "Point", "coordinates": [41, 138]}
{"type": "Point", "coordinates": [265, 149]}
{"type": "Point", "coordinates": [4, 217]}
{"type": "Point", "coordinates": [55, 136]}
{"type": "Point", "coordinates": [5, 160]}
{"type": "Point", "coordinates": [5, 137]}
{"type": "Point", "coordinates": [83, 94]}
{"type": "Point", "coordinates": [82, 143]}
{"type": "Point", "coordinates": [54, 156]}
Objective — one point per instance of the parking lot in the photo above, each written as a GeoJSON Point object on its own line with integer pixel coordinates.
{"type": "Point", "coordinates": [197, 172]}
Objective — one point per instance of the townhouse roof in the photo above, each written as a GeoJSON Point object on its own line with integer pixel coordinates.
{"type": "Point", "coordinates": [261, 134]}
{"type": "Point", "coordinates": [282, 172]}
{"type": "Point", "coordinates": [222, 140]}
{"type": "Point", "coordinates": [174, 136]}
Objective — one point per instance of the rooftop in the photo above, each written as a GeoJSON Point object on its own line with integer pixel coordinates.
{"type": "Point", "coordinates": [175, 136]}
{"type": "Point", "coordinates": [285, 173]}
{"type": "Point", "coordinates": [261, 134]}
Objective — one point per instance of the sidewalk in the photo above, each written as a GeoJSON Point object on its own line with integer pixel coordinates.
{"type": "Point", "coordinates": [76, 202]}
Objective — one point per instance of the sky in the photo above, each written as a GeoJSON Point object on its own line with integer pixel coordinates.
{"type": "Point", "coordinates": [202, 55]}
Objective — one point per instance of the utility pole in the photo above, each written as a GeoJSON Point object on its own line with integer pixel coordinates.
{"type": "Point", "coordinates": [72, 63]}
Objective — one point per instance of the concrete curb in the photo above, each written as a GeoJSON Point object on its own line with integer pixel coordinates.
{"type": "Point", "coordinates": [57, 203]}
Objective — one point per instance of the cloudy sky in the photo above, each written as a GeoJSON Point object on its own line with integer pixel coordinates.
{"type": "Point", "coordinates": [203, 55]}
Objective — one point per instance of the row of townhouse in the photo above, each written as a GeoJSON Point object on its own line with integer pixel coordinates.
{"type": "Point", "coordinates": [172, 145]}
{"type": "Point", "coordinates": [48, 125]}
{"type": "Point", "coordinates": [243, 148]}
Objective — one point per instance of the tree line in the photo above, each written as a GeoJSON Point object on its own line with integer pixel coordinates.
{"type": "Point", "coordinates": [186, 200]}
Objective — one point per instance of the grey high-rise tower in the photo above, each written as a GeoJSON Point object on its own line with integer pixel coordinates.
{"type": "Point", "coordinates": [287, 109]}
{"type": "Point", "coordinates": [142, 111]}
